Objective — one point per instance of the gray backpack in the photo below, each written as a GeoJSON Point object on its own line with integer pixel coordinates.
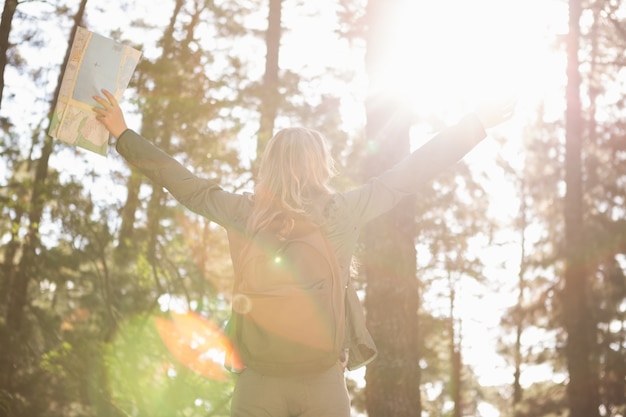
{"type": "Point", "coordinates": [288, 308]}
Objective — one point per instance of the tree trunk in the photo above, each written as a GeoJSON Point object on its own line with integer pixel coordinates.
{"type": "Point", "coordinates": [389, 263]}
{"type": "Point", "coordinates": [582, 388]}
{"type": "Point", "coordinates": [269, 90]}
{"type": "Point", "coordinates": [5, 30]}
{"type": "Point", "coordinates": [26, 269]}
{"type": "Point", "coordinates": [134, 181]}
{"type": "Point", "coordinates": [389, 255]}
{"type": "Point", "coordinates": [455, 354]}
{"type": "Point", "coordinates": [127, 214]}
{"type": "Point", "coordinates": [519, 318]}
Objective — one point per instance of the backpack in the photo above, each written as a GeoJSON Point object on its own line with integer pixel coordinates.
{"type": "Point", "coordinates": [288, 306]}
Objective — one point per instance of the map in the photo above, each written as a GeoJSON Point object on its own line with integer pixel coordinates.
{"type": "Point", "coordinates": [95, 63]}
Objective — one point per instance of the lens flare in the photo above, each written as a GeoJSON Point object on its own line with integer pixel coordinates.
{"type": "Point", "coordinates": [197, 343]}
{"type": "Point", "coordinates": [241, 304]}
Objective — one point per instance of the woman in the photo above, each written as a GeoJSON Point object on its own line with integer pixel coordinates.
{"type": "Point", "coordinates": [293, 180]}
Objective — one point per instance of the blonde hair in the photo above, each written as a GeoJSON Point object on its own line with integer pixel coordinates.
{"type": "Point", "coordinates": [295, 168]}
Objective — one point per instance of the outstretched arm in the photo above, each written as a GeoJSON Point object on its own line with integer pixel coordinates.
{"type": "Point", "coordinates": [200, 195]}
{"type": "Point", "coordinates": [110, 114]}
{"type": "Point", "coordinates": [383, 192]}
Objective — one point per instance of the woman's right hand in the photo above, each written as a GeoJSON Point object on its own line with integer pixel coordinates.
{"type": "Point", "coordinates": [110, 114]}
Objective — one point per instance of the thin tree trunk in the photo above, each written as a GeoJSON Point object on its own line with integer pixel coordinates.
{"type": "Point", "coordinates": [519, 315]}
{"type": "Point", "coordinates": [582, 388]}
{"type": "Point", "coordinates": [133, 184]}
{"type": "Point", "coordinates": [269, 90]}
{"type": "Point", "coordinates": [12, 247]}
{"type": "Point", "coordinates": [5, 30]}
{"type": "Point", "coordinates": [455, 355]}
{"type": "Point", "coordinates": [127, 214]}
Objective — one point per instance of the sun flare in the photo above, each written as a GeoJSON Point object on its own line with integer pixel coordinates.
{"type": "Point", "coordinates": [448, 55]}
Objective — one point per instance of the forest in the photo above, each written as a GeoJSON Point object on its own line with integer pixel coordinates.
{"type": "Point", "coordinates": [498, 291]}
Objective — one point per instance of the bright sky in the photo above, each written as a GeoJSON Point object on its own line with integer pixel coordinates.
{"type": "Point", "coordinates": [464, 50]}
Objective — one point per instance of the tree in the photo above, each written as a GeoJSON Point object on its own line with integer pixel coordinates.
{"type": "Point", "coordinates": [270, 94]}
{"type": "Point", "coordinates": [602, 171]}
{"type": "Point", "coordinates": [451, 221]}
{"type": "Point", "coordinates": [536, 182]}
{"type": "Point", "coordinates": [578, 320]}
{"type": "Point", "coordinates": [20, 260]}
{"type": "Point", "coordinates": [389, 265]}
{"type": "Point", "coordinates": [389, 257]}
{"type": "Point", "coordinates": [5, 29]}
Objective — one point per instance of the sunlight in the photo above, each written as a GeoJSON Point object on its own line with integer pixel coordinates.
{"type": "Point", "coordinates": [451, 54]}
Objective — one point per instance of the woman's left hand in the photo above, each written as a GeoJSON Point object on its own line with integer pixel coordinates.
{"type": "Point", "coordinates": [492, 113]}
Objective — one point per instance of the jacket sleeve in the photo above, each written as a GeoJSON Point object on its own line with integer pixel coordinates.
{"type": "Point", "coordinates": [202, 196]}
{"type": "Point", "coordinates": [383, 192]}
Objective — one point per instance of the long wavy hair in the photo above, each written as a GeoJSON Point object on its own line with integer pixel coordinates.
{"type": "Point", "coordinates": [295, 169]}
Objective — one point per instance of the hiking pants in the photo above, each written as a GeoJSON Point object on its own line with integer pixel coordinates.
{"type": "Point", "coordinates": [319, 395]}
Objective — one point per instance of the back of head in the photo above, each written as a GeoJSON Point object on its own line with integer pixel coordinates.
{"type": "Point", "coordinates": [295, 169]}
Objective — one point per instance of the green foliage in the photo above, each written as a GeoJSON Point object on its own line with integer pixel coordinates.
{"type": "Point", "coordinates": [145, 379]}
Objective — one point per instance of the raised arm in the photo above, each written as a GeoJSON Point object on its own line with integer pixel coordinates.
{"type": "Point", "coordinates": [384, 191]}
{"type": "Point", "coordinates": [199, 195]}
